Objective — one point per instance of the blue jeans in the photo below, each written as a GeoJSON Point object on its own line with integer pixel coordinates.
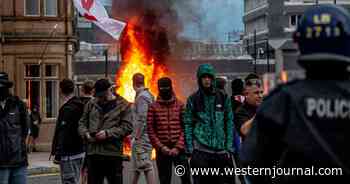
{"type": "Point", "coordinates": [15, 175]}
{"type": "Point", "coordinates": [70, 171]}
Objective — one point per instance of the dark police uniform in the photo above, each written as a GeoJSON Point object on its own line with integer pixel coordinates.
{"type": "Point", "coordinates": [301, 125]}
{"type": "Point", "coordinates": [305, 124]}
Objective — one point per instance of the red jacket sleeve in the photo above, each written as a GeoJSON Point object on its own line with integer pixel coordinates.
{"type": "Point", "coordinates": [181, 142]}
{"type": "Point", "coordinates": [151, 129]}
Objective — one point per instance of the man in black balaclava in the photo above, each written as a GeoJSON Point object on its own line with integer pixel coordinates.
{"type": "Point", "coordinates": [164, 113]}
{"type": "Point", "coordinates": [13, 131]}
{"type": "Point", "coordinates": [165, 88]}
{"type": "Point", "coordinates": [4, 93]}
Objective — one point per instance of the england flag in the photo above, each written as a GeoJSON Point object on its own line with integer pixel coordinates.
{"type": "Point", "coordinates": [94, 11]}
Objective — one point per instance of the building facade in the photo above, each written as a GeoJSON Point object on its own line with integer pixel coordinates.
{"type": "Point", "coordinates": [37, 45]}
{"type": "Point", "coordinates": [201, 49]}
{"type": "Point", "coordinates": [269, 25]}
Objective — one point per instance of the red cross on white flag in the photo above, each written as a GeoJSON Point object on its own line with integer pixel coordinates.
{"type": "Point", "coordinates": [94, 11]}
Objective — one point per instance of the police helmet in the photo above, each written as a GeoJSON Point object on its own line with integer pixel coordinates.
{"type": "Point", "coordinates": [323, 36]}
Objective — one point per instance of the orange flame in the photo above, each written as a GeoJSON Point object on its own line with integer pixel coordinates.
{"type": "Point", "coordinates": [154, 154]}
{"type": "Point", "coordinates": [137, 60]}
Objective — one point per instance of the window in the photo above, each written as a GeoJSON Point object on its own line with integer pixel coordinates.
{"type": "Point", "coordinates": [33, 93]}
{"type": "Point", "coordinates": [294, 20]}
{"type": "Point", "coordinates": [32, 71]}
{"type": "Point", "coordinates": [47, 8]}
{"type": "Point", "coordinates": [50, 7]}
{"type": "Point", "coordinates": [51, 71]}
{"type": "Point", "coordinates": [51, 99]}
{"type": "Point", "coordinates": [32, 82]}
{"type": "Point", "coordinates": [42, 88]}
{"type": "Point", "coordinates": [32, 7]}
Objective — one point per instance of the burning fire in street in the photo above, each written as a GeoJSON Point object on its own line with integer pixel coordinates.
{"type": "Point", "coordinates": [139, 56]}
{"type": "Point", "coordinates": [137, 59]}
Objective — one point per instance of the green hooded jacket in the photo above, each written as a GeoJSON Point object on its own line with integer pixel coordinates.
{"type": "Point", "coordinates": [208, 117]}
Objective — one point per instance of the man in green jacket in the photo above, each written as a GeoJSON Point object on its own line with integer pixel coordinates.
{"type": "Point", "coordinates": [208, 124]}
{"type": "Point", "coordinates": [105, 122]}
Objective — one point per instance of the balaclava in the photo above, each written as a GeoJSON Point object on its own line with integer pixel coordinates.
{"type": "Point", "coordinates": [4, 93]}
{"type": "Point", "coordinates": [165, 88]}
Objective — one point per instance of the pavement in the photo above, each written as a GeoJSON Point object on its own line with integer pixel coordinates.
{"type": "Point", "coordinates": [39, 163]}
{"type": "Point", "coordinates": [41, 170]}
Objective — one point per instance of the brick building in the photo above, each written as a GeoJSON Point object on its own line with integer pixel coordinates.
{"type": "Point", "coordinates": [36, 49]}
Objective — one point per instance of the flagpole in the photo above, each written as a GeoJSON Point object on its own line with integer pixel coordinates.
{"type": "Point", "coordinates": [106, 63]}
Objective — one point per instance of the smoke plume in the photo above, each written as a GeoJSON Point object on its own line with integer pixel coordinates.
{"type": "Point", "coordinates": [187, 19]}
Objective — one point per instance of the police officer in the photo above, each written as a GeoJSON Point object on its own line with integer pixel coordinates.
{"type": "Point", "coordinates": [305, 124]}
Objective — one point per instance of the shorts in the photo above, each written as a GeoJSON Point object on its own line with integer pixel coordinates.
{"type": "Point", "coordinates": [141, 163]}
{"type": "Point", "coordinates": [34, 131]}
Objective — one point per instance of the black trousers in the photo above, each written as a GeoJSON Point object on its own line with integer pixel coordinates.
{"type": "Point", "coordinates": [165, 164]}
{"type": "Point", "coordinates": [101, 167]}
{"type": "Point", "coordinates": [211, 160]}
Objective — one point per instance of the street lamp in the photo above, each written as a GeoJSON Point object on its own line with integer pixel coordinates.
{"type": "Point", "coordinates": [40, 62]}
{"type": "Point", "coordinates": [47, 43]}
{"type": "Point", "coordinates": [255, 51]}
{"type": "Point", "coordinates": [268, 55]}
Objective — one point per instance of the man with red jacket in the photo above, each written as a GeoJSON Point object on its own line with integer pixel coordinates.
{"type": "Point", "coordinates": [164, 125]}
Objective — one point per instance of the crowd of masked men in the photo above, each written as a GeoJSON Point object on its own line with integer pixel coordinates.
{"type": "Point", "coordinates": [300, 124]}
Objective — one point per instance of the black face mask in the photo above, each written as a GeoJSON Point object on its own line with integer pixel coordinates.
{"type": "Point", "coordinates": [102, 100]}
{"type": "Point", "coordinates": [166, 94]}
{"type": "Point", "coordinates": [4, 93]}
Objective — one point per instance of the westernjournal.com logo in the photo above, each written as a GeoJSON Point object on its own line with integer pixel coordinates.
{"type": "Point", "coordinates": [273, 172]}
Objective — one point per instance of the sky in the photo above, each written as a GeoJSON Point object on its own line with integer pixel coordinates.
{"type": "Point", "coordinates": [106, 2]}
